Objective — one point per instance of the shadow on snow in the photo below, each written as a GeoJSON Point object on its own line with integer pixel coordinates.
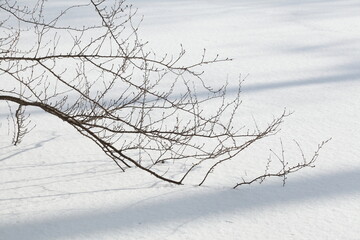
{"type": "Point", "coordinates": [168, 210]}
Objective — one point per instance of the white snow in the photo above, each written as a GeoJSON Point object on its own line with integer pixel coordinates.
{"type": "Point", "coordinates": [302, 55]}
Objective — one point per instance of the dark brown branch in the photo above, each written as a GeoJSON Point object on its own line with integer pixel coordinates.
{"type": "Point", "coordinates": [142, 110]}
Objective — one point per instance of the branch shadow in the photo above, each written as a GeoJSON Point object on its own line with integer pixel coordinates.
{"type": "Point", "coordinates": [348, 77]}
{"type": "Point", "coordinates": [27, 148]}
{"type": "Point", "coordinates": [170, 209]}
{"type": "Point", "coordinates": [339, 78]}
{"type": "Point", "coordinates": [333, 8]}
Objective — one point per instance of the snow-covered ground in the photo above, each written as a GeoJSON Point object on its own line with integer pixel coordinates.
{"type": "Point", "coordinates": [302, 55]}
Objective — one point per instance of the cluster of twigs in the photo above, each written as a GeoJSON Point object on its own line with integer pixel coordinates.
{"type": "Point", "coordinates": [142, 110]}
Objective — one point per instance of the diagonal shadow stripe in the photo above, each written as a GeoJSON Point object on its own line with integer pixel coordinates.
{"type": "Point", "coordinates": [191, 204]}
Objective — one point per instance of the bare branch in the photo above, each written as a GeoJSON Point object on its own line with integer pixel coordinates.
{"type": "Point", "coordinates": [142, 110]}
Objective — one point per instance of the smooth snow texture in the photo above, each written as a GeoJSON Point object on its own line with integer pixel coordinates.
{"type": "Point", "coordinates": [302, 55]}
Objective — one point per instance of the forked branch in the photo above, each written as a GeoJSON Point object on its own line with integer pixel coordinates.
{"type": "Point", "coordinates": [142, 110]}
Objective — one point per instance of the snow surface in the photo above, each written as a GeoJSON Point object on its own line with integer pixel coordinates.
{"type": "Point", "coordinates": [302, 55]}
